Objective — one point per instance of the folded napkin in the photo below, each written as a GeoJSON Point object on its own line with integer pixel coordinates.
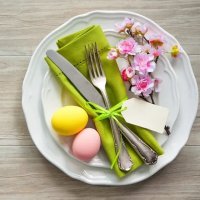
{"type": "Point", "coordinates": [72, 47]}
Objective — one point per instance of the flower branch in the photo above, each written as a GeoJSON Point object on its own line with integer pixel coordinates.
{"type": "Point", "coordinates": [142, 50]}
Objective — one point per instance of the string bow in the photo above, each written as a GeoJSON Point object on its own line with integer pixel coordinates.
{"type": "Point", "coordinates": [112, 112]}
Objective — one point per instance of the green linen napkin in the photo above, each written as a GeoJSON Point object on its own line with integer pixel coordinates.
{"type": "Point", "coordinates": [72, 47]}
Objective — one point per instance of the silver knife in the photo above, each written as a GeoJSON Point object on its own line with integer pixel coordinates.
{"type": "Point", "coordinates": [148, 155]}
{"type": "Point", "coordinates": [75, 76]}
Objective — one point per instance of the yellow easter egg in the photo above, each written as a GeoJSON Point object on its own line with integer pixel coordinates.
{"type": "Point", "coordinates": [69, 120]}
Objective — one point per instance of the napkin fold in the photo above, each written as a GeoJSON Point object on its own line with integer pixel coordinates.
{"type": "Point", "coordinates": [72, 47]}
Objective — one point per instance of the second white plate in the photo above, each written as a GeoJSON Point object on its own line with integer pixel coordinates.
{"type": "Point", "coordinates": [54, 96]}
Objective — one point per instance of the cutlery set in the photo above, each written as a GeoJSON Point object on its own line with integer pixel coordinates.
{"type": "Point", "coordinates": [88, 91]}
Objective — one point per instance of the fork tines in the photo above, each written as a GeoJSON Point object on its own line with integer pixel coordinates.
{"type": "Point", "coordinates": [93, 60]}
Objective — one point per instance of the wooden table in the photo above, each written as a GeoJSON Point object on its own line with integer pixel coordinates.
{"type": "Point", "coordinates": [24, 172]}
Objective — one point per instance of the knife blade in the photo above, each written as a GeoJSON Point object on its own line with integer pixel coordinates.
{"type": "Point", "coordinates": [79, 81]}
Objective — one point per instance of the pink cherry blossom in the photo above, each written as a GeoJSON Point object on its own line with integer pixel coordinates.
{"type": "Point", "coordinates": [128, 47]}
{"type": "Point", "coordinates": [113, 54]}
{"type": "Point", "coordinates": [146, 48]}
{"type": "Point", "coordinates": [127, 73]}
{"type": "Point", "coordinates": [124, 75]}
{"type": "Point", "coordinates": [156, 40]}
{"type": "Point", "coordinates": [142, 85]}
{"type": "Point", "coordinates": [139, 29]}
{"type": "Point", "coordinates": [157, 82]}
{"type": "Point", "coordinates": [127, 23]}
{"type": "Point", "coordinates": [144, 63]}
{"type": "Point", "coordinates": [157, 51]}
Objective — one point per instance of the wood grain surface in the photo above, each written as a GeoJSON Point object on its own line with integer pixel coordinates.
{"type": "Point", "coordinates": [24, 173]}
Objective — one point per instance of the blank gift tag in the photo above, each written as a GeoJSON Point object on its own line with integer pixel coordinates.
{"type": "Point", "coordinates": [144, 114]}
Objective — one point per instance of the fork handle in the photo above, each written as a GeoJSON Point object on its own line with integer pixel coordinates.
{"type": "Point", "coordinates": [124, 160]}
{"type": "Point", "coordinates": [148, 155]}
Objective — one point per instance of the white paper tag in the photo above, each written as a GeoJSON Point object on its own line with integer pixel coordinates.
{"type": "Point", "coordinates": [144, 114]}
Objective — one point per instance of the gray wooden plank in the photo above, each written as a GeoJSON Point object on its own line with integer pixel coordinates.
{"type": "Point", "coordinates": [24, 173]}
{"type": "Point", "coordinates": [29, 21]}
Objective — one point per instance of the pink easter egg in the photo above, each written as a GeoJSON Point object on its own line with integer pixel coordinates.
{"type": "Point", "coordinates": [86, 144]}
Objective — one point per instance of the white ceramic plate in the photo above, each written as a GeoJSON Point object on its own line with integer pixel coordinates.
{"type": "Point", "coordinates": [39, 132]}
{"type": "Point", "coordinates": [53, 97]}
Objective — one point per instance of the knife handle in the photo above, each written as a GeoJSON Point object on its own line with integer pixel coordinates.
{"type": "Point", "coordinates": [148, 155]}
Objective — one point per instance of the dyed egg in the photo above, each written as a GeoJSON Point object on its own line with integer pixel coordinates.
{"type": "Point", "coordinates": [86, 144]}
{"type": "Point", "coordinates": [69, 120]}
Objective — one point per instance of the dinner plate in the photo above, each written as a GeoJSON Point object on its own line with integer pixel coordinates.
{"type": "Point", "coordinates": [54, 96]}
{"type": "Point", "coordinates": [32, 105]}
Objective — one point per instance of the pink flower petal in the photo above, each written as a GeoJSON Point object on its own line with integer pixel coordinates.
{"type": "Point", "coordinates": [128, 46]}
{"type": "Point", "coordinates": [144, 63]}
{"type": "Point", "coordinates": [112, 54]}
{"type": "Point", "coordinates": [126, 23]}
{"type": "Point", "coordinates": [142, 85]}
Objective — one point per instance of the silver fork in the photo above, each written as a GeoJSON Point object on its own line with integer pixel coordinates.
{"type": "Point", "coordinates": [98, 79]}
